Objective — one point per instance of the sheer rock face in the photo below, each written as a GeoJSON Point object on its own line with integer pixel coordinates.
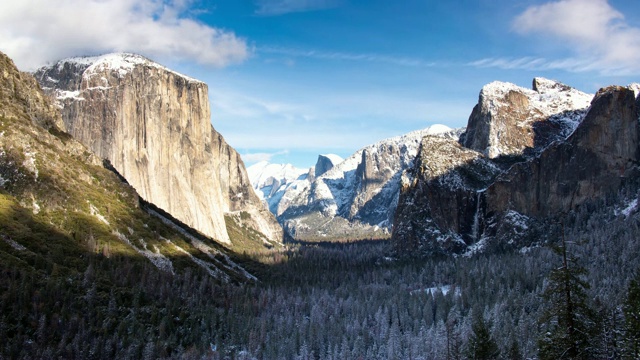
{"type": "Point", "coordinates": [441, 198]}
{"type": "Point", "coordinates": [325, 163]}
{"type": "Point", "coordinates": [511, 120]}
{"type": "Point", "coordinates": [593, 162]}
{"type": "Point", "coordinates": [153, 125]}
{"type": "Point", "coordinates": [238, 195]}
{"type": "Point", "coordinates": [460, 200]}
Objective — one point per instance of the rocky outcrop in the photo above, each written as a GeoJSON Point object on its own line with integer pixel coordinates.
{"type": "Point", "coordinates": [442, 198]}
{"type": "Point", "coordinates": [594, 162]}
{"type": "Point", "coordinates": [464, 201]}
{"type": "Point", "coordinates": [153, 125]}
{"type": "Point", "coordinates": [20, 95]}
{"type": "Point", "coordinates": [325, 163]}
{"type": "Point", "coordinates": [238, 194]}
{"type": "Point", "coordinates": [511, 120]}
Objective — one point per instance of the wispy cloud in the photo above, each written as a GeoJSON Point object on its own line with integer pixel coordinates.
{"type": "Point", "coordinates": [281, 7]}
{"type": "Point", "coordinates": [592, 29]}
{"type": "Point", "coordinates": [34, 32]}
{"type": "Point", "coordinates": [341, 56]}
{"type": "Point", "coordinates": [538, 64]}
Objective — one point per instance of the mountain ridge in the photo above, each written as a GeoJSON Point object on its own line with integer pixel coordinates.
{"type": "Point", "coordinates": [355, 198]}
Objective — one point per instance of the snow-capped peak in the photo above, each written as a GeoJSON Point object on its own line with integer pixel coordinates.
{"type": "Point", "coordinates": [549, 97]}
{"type": "Point", "coordinates": [121, 62]}
{"type": "Point", "coordinates": [438, 129]}
{"type": "Point", "coordinates": [263, 174]}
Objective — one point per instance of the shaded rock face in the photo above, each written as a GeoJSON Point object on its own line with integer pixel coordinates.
{"type": "Point", "coordinates": [153, 125]}
{"type": "Point", "coordinates": [463, 201]}
{"type": "Point", "coordinates": [592, 163]}
{"type": "Point", "coordinates": [325, 163]}
{"type": "Point", "coordinates": [238, 195]}
{"type": "Point", "coordinates": [510, 120]}
{"type": "Point", "coordinates": [442, 199]}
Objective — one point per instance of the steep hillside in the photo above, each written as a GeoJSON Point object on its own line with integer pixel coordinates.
{"type": "Point", "coordinates": [84, 265]}
{"type": "Point", "coordinates": [153, 125]}
{"type": "Point", "coordinates": [503, 196]}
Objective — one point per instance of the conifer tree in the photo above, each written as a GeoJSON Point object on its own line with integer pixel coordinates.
{"type": "Point", "coordinates": [481, 345]}
{"type": "Point", "coordinates": [631, 310]}
{"type": "Point", "coordinates": [514, 350]}
{"type": "Point", "coordinates": [567, 322]}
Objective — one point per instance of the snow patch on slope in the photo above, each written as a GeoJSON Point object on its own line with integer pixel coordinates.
{"type": "Point", "coordinates": [635, 87]}
{"type": "Point", "coordinates": [628, 209]}
{"type": "Point", "coordinates": [156, 257]}
{"type": "Point", "coordinates": [335, 159]}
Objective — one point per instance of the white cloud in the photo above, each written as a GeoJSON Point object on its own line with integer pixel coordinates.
{"type": "Point", "coordinates": [34, 32]}
{"type": "Point", "coordinates": [593, 29]}
{"type": "Point", "coordinates": [252, 158]}
{"type": "Point", "coordinates": [281, 7]}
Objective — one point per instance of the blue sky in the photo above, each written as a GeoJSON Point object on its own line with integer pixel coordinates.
{"type": "Point", "coordinates": [290, 79]}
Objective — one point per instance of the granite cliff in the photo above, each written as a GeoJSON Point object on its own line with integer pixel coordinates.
{"type": "Point", "coordinates": [153, 125]}
{"type": "Point", "coordinates": [497, 188]}
{"type": "Point", "coordinates": [61, 209]}
{"type": "Point", "coordinates": [509, 119]}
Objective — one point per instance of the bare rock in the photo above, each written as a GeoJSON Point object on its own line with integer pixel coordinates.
{"type": "Point", "coordinates": [153, 125]}
{"type": "Point", "coordinates": [510, 120]}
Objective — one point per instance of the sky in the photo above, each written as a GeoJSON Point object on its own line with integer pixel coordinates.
{"type": "Point", "coordinates": [291, 79]}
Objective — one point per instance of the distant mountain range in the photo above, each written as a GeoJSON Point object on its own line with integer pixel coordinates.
{"type": "Point", "coordinates": [337, 199]}
{"type": "Point", "coordinates": [526, 157]}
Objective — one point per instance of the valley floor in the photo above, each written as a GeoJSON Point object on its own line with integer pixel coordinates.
{"type": "Point", "coordinates": [317, 301]}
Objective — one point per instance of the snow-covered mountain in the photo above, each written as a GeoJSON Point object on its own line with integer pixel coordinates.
{"type": "Point", "coordinates": [512, 120]}
{"type": "Point", "coordinates": [528, 158]}
{"type": "Point", "coordinates": [356, 198]}
{"type": "Point", "coordinates": [271, 180]}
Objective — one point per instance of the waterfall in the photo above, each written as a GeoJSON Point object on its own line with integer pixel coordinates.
{"type": "Point", "coordinates": [476, 219]}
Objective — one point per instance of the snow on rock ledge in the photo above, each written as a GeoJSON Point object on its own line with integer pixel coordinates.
{"type": "Point", "coordinates": [511, 120]}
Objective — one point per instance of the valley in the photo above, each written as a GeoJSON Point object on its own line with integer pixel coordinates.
{"type": "Point", "coordinates": [130, 228]}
